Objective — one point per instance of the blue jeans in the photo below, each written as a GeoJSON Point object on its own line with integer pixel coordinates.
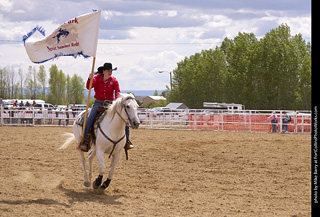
{"type": "Point", "coordinates": [274, 127]}
{"type": "Point", "coordinates": [90, 118]}
{"type": "Point", "coordinates": [284, 127]}
{"type": "Point", "coordinates": [92, 115]}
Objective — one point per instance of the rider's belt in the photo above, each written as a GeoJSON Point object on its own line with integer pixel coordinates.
{"type": "Point", "coordinates": [104, 101]}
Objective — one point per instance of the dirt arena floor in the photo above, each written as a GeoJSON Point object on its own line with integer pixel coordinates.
{"type": "Point", "coordinates": [169, 173]}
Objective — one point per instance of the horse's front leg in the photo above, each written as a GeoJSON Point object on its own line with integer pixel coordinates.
{"type": "Point", "coordinates": [115, 160]}
{"type": "Point", "coordinates": [83, 163]}
{"type": "Point", "coordinates": [91, 157]}
{"type": "Point", "coordinates": [102, 167]}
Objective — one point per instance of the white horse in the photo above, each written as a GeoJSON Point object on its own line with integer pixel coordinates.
{"type": "Point", "coordinates": [110, 138]}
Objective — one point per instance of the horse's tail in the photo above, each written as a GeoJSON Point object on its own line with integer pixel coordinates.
{"type": "Point", "coordinates": [69, 140]}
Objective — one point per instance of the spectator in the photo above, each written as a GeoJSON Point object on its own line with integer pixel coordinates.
{"type": "Point", "coordinates": [285, 120]}
{"type": "Point", "coordinates": [15, 113]}
{"type": "Point", "coordinates": [274, 121]}
{"type": "Point", "coordinates": [21, 105]}
{"type": "Point", "coordinates": [1, 106]}
{"type": "Point", "coordinates": [1, 103]}
{"type": "Point", "coordinates": [67, 116]}
{"type": "Point", "coordinates": [74, 109]}
{"type": "Point", "coordinates": [57, 116]}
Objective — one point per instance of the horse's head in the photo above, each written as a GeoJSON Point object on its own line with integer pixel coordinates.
{"type": "Point", "coordinates": [130, 107]}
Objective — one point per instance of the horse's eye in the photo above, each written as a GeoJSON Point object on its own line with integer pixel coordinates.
{"type": "Point", "coordinates": [128, 107]}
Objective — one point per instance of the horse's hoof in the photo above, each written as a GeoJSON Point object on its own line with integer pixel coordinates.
{"type": "Point", "coordinates": [101, 188]}
{"type": "Point", "coordinates": [87, 184]}
{"type": "Point", "coordinates": [95, 185]}
{"type": "Point", "coordinates": [105, 184]}
{"type": "Point", "coordinates": [97, 182]}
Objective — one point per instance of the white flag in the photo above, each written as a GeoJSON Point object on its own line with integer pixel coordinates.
{"type": "Point", "coordinates": [78, 36]}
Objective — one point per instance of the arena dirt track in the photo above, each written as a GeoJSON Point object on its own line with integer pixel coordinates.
{"type": "Point", "coordinates": [169, 173]}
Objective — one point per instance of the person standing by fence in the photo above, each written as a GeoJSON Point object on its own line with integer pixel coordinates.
{"type": "Point", "coordinates": [67, 116]}
{"type": "Point", "coordinates": [285, 120]}
{"type": "Point", "coordinates": [274, 121]}
{"type": "Point", "coordinates": [74, 109]}
{"type": "Point", "coordinates": [1, 108]}
{"type": "Point", "coordinates": [1, 104]}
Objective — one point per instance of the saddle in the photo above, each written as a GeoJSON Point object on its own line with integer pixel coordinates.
{"type": "Point", "coordinates": [91, 135]}
{"type": "Point", "coordinates": [100, 110]}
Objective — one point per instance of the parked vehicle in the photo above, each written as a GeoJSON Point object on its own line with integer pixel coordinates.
{"type": "Point", "coordinates": [79, 107]}
{"type": "Point", "coordinates": [44, 106]}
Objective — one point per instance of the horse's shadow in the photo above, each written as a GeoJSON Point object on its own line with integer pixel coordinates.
{"type": "Point", "coordinates": [37, 201]}
{"type": "Point", "coordinates": [91, 196]}
{"type": "Point", "coordinates": [74, 196]}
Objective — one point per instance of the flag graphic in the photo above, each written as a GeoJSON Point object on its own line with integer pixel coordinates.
{"type": "Point", "coordinates": [76, 37]}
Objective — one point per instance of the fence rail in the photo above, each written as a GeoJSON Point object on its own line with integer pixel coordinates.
{"type": "Point", "coordinates": [218, 120]}
{"type": "Point", "coordinates": [245, 121]}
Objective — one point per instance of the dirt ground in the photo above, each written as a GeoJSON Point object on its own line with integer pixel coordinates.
{"type": "Point", "coordinates": [169, 173]}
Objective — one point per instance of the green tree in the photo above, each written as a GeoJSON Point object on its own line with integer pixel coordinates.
{"type": "Point", "coordinates": [42, 79]}
{"type": "Point", "coordinates": [239, 73]}
{"type": "Point", "coordinates": [271, 73]}
{"type": "Point", "coordinates": [53, 85]}
{"type": "Point", "coordinates": [3, 83]}
{"type": "Point", "coordinates": [21, 83]}
{"type": "Point", "coordinates": [68, 90]}
{"type": "Point", "coordinates": [279, 66]}
{"type": "Point", "coordinates": [61, 91]}
{"type": "Point", "coordinates": [303, 93]}
{"type": "Point", "coordinates": [199, 78]}
{"type": "Point", "coordinates": [77, 89]}
{"type": "Point", "coordinates": [31, 84]}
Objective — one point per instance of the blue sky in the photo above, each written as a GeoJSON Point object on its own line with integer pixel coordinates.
{"type": "Point", "coordinates": [141, 37]}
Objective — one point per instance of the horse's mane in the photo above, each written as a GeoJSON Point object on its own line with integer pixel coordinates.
{"type": "Point", "coordinates": [117, 104]}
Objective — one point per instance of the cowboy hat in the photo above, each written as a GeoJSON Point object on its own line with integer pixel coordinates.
{"type": "Point", "coordinates": [107, 66]}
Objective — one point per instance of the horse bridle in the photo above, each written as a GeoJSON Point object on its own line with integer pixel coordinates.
{"type": "Point", "coordinates": [125, 109]}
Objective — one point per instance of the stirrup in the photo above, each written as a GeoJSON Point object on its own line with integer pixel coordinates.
{"type": "Point", "coordinates": [128, 145]}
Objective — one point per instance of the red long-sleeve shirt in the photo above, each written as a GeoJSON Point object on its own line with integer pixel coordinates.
{"type": "Point", "coordinates": [108, 90]}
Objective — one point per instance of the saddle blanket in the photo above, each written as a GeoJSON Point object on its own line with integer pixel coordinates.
{"type": "Point", "coordinates": [80, 118]}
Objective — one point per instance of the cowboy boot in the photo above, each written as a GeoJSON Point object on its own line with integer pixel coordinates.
{"type": "Point", "coordinates": [85, 144]}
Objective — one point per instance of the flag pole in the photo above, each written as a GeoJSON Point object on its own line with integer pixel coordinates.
{"type": "Point", "coordinates": [88, 99]}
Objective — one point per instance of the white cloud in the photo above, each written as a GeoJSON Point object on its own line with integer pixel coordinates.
{"type": "Point", "coordinates": [162, 61]}
{"type": "Point", "coordinates": [169, 13]}
{"type": "Point", "coordinates": [219, 21]}
{"type": "Point", "coordinates": [298, 25]}
{"type": "Point", "coordinates": [144, 37]}
{"type": "Point", "coordinates": [143, 72]}
{"type": "Point", "coordinates": [6, 5]}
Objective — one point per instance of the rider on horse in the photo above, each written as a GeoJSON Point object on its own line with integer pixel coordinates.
{"type": "Point", "coordinates": [106, 89]}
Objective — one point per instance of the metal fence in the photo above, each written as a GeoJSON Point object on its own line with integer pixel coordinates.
{"type": "Point", "coordinates": [243, 121]}
{"type": "Point", "coordinates": [33, 117]}
{"type": "Point", "coordinates": [217, 120]}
